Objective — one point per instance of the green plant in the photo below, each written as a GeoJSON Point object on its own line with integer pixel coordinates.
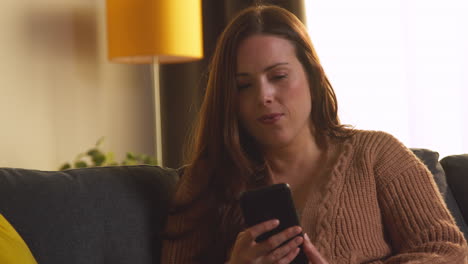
{"type": "Point", "coordinates": [96, 157]}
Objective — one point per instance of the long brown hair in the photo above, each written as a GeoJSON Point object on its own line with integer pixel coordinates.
{"type": "Point", "coordinates": [224, 159]}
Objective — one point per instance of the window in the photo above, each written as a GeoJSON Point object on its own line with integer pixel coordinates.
{"type": "Point", "coordinates": [398, 66]}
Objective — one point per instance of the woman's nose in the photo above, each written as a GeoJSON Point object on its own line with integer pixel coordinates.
{"type": "Point", "coordinates": [266, 93]}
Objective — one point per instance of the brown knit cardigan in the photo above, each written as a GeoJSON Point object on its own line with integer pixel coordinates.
{"type": "Point", "coordinates": [379, 204]}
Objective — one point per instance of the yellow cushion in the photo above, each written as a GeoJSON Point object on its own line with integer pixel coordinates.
{"type": "Point", "coordinates": [12, 247]}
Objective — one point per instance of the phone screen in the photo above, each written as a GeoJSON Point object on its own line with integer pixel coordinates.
{"type": "Point", "coordinates": [267, 203]}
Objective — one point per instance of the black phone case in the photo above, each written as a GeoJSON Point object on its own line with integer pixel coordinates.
{"type": "Point", "coordinates": [271, 202]}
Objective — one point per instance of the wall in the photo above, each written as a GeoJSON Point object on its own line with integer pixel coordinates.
{"type": "Point", "coordinates": [59, 93]}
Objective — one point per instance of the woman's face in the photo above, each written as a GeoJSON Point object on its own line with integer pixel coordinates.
{"type": "Point", "coordinates": [274, 96]}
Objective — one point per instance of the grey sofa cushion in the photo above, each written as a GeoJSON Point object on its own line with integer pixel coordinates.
{"type": "Point", "coordinates": [431, 160]}
{"type": "Point", "coordinates": [95, 215]}
{"type": "Point", "coordinates": [456, 168]}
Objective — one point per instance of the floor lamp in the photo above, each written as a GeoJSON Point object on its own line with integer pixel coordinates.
{"type": "Point", "coordinates": [154, 32]}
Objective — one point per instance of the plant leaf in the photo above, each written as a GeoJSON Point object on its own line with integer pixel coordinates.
{"type": "Point", "coordinates": [100, 141]}
{"type": "Point", "coordinates": [130, 156]}
{"type": "Point", "coordinates": [80, 164]}
{"type": "Point", "coordinates": [65, 166]}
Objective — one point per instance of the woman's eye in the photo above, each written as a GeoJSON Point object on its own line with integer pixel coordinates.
{"type": "Point", "coordinates": [280, 76]}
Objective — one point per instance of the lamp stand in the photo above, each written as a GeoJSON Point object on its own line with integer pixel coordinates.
{"type": "Point", "coordinates": [157, 113]}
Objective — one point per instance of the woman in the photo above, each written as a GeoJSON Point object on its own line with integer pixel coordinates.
{"type": "Point", "coordinates": [270, 116]}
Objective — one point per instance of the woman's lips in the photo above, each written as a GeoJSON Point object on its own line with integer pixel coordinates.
{"type": "Point", "coordinates": [270, 118]}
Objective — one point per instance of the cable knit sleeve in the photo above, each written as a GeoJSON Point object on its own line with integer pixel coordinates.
{"type": "Point", "coordinates": [417, 221]}
{"type": "Point", "coordinates": [181, 250]}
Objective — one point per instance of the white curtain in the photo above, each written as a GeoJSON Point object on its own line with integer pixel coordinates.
{"type": "Point", "coordinates": [399, 66]}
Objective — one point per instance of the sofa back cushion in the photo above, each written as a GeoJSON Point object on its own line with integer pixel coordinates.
{"type": "Point", "coordinates": [456, 169]}
{"type": "Point", "coordinates": [93, 215]}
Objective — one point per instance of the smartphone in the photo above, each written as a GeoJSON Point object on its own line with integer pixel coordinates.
{"type": "Point", "coordinates": [271, 202]}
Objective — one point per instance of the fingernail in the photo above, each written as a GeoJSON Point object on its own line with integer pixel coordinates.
{"type": "Point", "coordinates": [276, 222]}
{"type": "Point", "coordinates": [306, 236]}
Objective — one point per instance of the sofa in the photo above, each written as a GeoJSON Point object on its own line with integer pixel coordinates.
{"type": "Point", "coordinates": [116, 214]}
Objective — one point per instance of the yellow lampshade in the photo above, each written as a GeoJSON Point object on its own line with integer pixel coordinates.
{"type": "Point", "coordinates": [138, 30]}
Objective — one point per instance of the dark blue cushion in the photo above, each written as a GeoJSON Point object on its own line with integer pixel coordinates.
{"type": "Point", "coordinates": [456, 169]}
{"type": "Point", "coordinates": [94, 215]}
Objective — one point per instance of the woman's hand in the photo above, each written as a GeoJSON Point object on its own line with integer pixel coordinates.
{"type": "Point", "coordinates": [311, 252]}
{"type": "Point", "coordinates": [246, 250]}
